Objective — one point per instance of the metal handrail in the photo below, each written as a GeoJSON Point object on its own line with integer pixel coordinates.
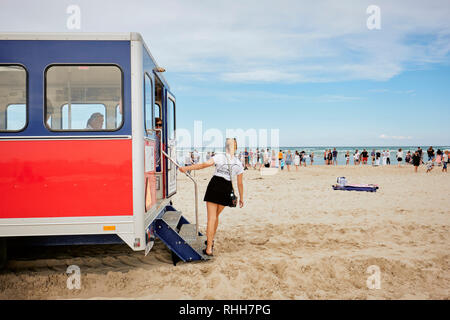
{"type": "Point", "coordinates": [196, 190]}
{"type": "Point", "coordinates": [188, 175]}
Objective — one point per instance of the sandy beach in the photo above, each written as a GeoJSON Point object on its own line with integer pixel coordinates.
{"type": "Point", "coordinates": [295, 238]}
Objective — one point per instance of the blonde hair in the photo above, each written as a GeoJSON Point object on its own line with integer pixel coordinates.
{"type": "Point", "coordinates": [231, 145]}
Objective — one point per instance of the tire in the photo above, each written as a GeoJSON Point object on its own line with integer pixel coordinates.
{"type": "Point", "coordinates": [3, 253]}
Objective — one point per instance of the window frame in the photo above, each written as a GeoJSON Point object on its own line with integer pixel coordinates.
{"type": "Point", "coordinates": [146, 74]}
{"type": "Point", "coordinates": [26, 99]}
{"type": "Point", "coordinates": [84, 65]}
{"type": "Point", "coordinates": [171, 98]}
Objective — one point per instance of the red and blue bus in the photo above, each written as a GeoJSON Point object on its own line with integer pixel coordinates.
{"type": "Point", "coordinates": [80, 152]}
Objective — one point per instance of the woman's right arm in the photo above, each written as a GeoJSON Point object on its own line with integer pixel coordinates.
{"type": "Point", "coordinates": [198, 166]}
{"type": "Point", "coordinates": [241, 190]}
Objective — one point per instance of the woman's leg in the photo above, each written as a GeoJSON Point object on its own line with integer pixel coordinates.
{"type": "Point", "coordinates": [211, 208]}
{"type": "Point", "coordinates": [214, 211]}
{"type": "Point", "coordinates": [219, 210]}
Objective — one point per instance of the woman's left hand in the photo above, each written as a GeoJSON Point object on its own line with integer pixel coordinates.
{"type": "Point", "coordinates": [241, 203]}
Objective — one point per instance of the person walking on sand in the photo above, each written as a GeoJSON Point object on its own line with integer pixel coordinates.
{"type": "Point", "coordinates": [445, 161]}
{"type": "Point", "coordinates": [416, 160]}
{"type": "Point", "coordinates": [220, 188]}
{"type": "Point", "coordinates": [408, 158]}
{"type": "Point", "coordinates": [303, 157]}
{"type": "Point", "coordinates": [274, 163]}
{"type": "Point", "coordinates": [377, 158]}
{"type": "Point", "coordinates": [399, 157]}
{"type": "Point", "coordinates": [335, 156]}
{"type": "Point", "coordinates": [289, 160]}
{"type": "Point", "coordinates": [356, 157]}
{"type": "Point", "coordinates": [347, 158]}
{"type": "Point", "coordinates": [365, 156]}
{"type": "Point", "coordinates": [296, 160]}
{"type": "Point", "coordinates": [430, 153]}
{"type": "Point", "coordinates": [329, 157]}
{"type": "Point", "coordinates": [439, 157]}
{"type": "Point", "coordinates": [384, 157]}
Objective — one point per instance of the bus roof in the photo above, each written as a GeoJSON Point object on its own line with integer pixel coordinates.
{"type": "Point", "coordinates": [70, 36]}
{"type": "Point", "coordinates": [99, 36]}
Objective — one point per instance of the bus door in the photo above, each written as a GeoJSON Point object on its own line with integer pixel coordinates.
{"type": "Point", "coordinates": [151, 147]}
{"type": "Point", "coordinates": [171, 174]}
{"type": "Point", "coordinates": [160, 128]}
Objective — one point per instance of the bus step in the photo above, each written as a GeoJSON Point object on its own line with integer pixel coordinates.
{"type": "Point", "coordinates": [180, 237]}
{"type": "Point", "coordinates": [172, 218]}
{"type": "Point", "coordinates": [187, 232]}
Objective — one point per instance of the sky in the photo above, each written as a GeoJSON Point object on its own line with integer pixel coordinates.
{"type": "Point", "coordinates": [312, 69]}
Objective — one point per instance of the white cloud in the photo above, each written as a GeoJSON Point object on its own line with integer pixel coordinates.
{"type": "Point", "coordinates": [262, 41]}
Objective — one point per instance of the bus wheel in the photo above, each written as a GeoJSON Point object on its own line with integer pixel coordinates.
{"type": "Point", "coordinates": [3, 255]}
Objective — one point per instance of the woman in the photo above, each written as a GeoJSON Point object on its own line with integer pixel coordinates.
{"type": "Point", "coordinates": [311, 158]}
{"type": "Point", "coordinates": [400, 157]}
{"type": "Point", "coordinates": [330, 157]}
{"type": "Point", "coordinates": [408, 157]}
{"type": "Point", "coordinates": [416, 160]}
{"type": "Point", "coordinates": [445, 161]}
{"type": "Point", "coordinates": [274, 163]}
{"type": "Point", "coordinates": [384, 157]}
{"type": "Point", "coordinates": [347, 158]}
{"type": "Point", "coordinates": [220, 187]}
{"type": "Point", "coordinates": [356, 157]}
{"type": "Point", "coordinates": [289, 160]}
{"type": "Point", "coordinates": [296, 160]}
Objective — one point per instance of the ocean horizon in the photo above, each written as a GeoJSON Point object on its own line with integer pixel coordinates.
{"type": "Point", "coordinates": [319, 152]}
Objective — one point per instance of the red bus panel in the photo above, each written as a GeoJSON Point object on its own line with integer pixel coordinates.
{"type": "Point", "coordinates": [65, 178]}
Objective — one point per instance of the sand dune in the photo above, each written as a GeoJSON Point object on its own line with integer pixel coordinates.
{"type": "Point", "coordinates": [296, 238]}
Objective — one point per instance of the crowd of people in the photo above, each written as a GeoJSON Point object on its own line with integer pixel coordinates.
{"type": "Point", "coordinates": [288, 159]}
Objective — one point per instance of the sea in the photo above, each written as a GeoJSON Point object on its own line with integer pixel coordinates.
{"type": "Point", "coordinates": [319, 152]}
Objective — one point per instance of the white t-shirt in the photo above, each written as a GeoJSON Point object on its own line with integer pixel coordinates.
{"type": "Point", "coordinates": [400, 154]}
{"type": "Point", "coordinates": [224, 164]}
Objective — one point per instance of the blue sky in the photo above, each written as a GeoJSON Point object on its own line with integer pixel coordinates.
{"type": "Point", "coordinates": [311, 69]}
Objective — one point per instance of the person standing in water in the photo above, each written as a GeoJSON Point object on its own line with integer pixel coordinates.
{"type": "Point", "coordinates": [220, 187]}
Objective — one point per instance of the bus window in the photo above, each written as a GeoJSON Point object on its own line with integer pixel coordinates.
{"type": "Point", "coordinates": [87, 95]}
{"type": "Point", "coordinates": [171, 119]}
{"type": "Point", "coordinates": [13, 88]}
{"type": "Point", "coordinates": [148, 95]}
{"type": "Point", "coordinates": [157, 111]}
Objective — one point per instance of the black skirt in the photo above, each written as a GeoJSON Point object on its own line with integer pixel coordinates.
{"type": "Point", "coordinates": [218, 191]}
